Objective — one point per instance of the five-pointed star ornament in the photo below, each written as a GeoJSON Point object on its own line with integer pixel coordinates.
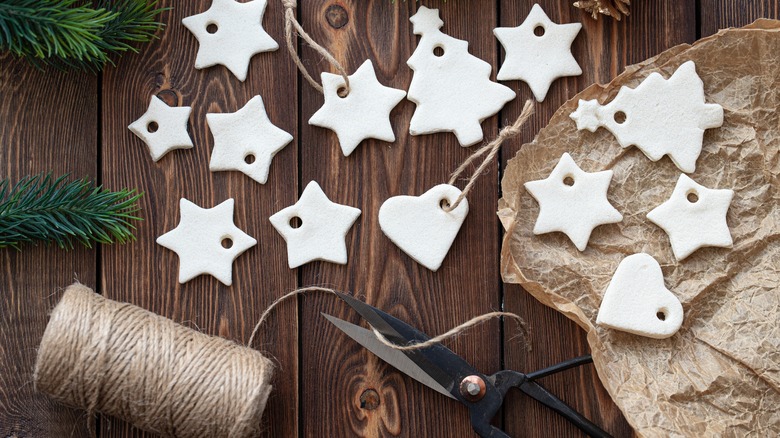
{"type": "Point", "coordinates": [361, 114]}
{"type": "Point", "coordinates": [245, 140]}
{"type": "Point", "coordinates": [694, 217]}
{"type": "Point", "coordinates": [323, 228]}
{"type": "Point", "coordinates": [163, 128]}
{"type": "Point", "coordinates": [573, 201]}
{"type": "Point", "coordinates": [230, 33]}
{"type": "Point", "coordinates": [207, 241]}
{"type": "Point", "coordinates": [538, 60]}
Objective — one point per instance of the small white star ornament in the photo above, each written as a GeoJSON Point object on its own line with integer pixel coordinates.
{"type": "Point", "coordinates": [573, 201]}
{"type": "Point", "coordinates": [638, 302]}
{"type": "Point", "coordinates": [230, 33]}
{"type": "Point", "coordinates": [694, 217]}
{"type": "Point", "coordinates": [361, 114]}
{"type": "Point", "coordinates": [421, 226]}
{"type": "Point", "coordinates": [451, 87]}
{"type": "Point", "coordinates": [538, 60]}
{"type": "Point", "coordinates": [163, 128]}
{"type": "Point", "coordinates": [322, 231]}
{"type": "Point", "coordinates": [246, 140]}
{"type": "Point", "coordinates": [206, 241]}
{"type": "Point", "coordinates": [660, 116]}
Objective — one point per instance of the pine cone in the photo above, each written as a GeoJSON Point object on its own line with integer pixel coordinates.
{"type": "Point", "coordinates": [613, 8]}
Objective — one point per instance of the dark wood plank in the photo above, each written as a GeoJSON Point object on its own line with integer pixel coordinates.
{"type": "Point", "coordinates": [336, 371]}
{"type": "Point", "coordinates": [720, 14]}
{"type": "Point", "coordinates": [48, 123]}
{"type": "Point", "coordinates": [145, 273]}
{"type": "Point", "coordinates": [603, 48]}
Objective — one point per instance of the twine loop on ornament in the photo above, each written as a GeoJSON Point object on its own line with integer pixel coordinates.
{"type": "Point", "coordinates": [491, 149]}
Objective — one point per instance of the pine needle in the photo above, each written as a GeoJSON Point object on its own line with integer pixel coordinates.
{"type": "Point", "coordinates": [39, 208]}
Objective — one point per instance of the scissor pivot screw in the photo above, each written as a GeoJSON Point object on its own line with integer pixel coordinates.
{"type": "Point", "coordinates": [472, 388]}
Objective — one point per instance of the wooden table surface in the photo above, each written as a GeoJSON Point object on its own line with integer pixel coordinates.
{"type": "Point", "coordinates": [77, 123]}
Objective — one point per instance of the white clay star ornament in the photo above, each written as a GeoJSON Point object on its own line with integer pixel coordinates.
{"type": "Point", "coordinates": [573, 201]}
{"type": "Point", "coordinates": [421, 226]}
{"type": "Point", "coordinates": [694, 217]}
{"type": "Point", "coordinates": [163, 128]}
{"type": "Point", "coordinates": [245, 140]}
{"type": "Point", "coordinates": [638, 302]}
{"type": "Point", "coordinates": [538, 51]}
{"type": "Point", "coordinates": [322, 231]}
{"type": "Point", "coordinates": [363, 113]}
{"type": "Point", "coordinates": [206, 241]}
{"type": "Point", "coordinates": [230, 33]}
{"type": "Point", "coordinates": [451, 87]}
{"type": "Point", "coordinates": [660, 116]}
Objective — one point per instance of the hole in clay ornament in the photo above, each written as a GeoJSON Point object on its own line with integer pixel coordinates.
{"type": "Point", "coordinates": [152, 127]}
{"type": "Point", "coordinates": [444, 204]}
{"type": "Point", "coordinates": [568, 180]}
{"type": "Point", "coordinates": [249, 158]}
{"type": "Point", "coordinates": [692, 196]}
{"type": "Point", "coordinates": [661, 315]}
{"type": "Point", "coordinates": [438, 51]}
{"type": "Point", "coordinates": [620, 117]}
{"type": "Point", "coordinates": [295, 222]}
{"type": "Point", "coordinates": [342, 92]}
{"type": "Point", "coordinates": [212, 28]}
{"type": "Point", "coordinates": [539, 30]}
{"type": "Point", "coordinates": [227, 242]}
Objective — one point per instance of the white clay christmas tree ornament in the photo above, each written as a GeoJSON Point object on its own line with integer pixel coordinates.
{"type": "Point", "coordinates": [230, 33]}
{"type": "Point", "coordinates": [638, 302]}
{"type": "Point", "coordinates": [322, 231]}
{"type": "Point", "coordinates": [163, 128]}
{"type": "Point", "coordinates": [573, 201]}
{"type": "Point", "coordinates": [694, 217]}
{"type": "Point", "coordinates": [421, 226]}
{"type": "Point", "coordinates": [660, 116]}
{"type": "Point", "coordinates": [361, 114]}
{"type": "Point", "coordinates": [451, 87]}
{"type": "Point", "coordinates": [246, 140]}
{"type": "Point", "coordinates": [538, 52]}
{"type": "Point", "coordinates": [206, 241]}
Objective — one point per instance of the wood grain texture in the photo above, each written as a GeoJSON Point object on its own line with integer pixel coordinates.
{"type": "Point", "coordinates": [48, 123]}
{"type": "Point", "coordinates": [720, 14]}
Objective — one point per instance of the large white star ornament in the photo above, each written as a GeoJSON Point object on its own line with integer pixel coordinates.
{"type": "Point", "coordinates": [573, 201]}
{"type": "Point", "coordinates": [694, 217]}
{"type": "Point", "coordinates": [206, 241]}
{"type": "Point", "coordinates": [163, 128]}
{"type": "Point", "coordinates": [361, 114]}
{"type": "Point", "coordinates": [230, 33]}
{"type": "Point", "coordinates": [323, 228]}
{"type": "Point", "coordinates": [245, 140]}
{"type": "Point", "coordinates": [538, 60]}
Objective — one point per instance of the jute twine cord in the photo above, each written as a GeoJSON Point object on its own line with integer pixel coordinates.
{"type": "Point", "coordinates": [492, 149]}
{"type": "Point", "coordinates": [121, 360]}
{"type": "Point", "coordinates": [290, 23]}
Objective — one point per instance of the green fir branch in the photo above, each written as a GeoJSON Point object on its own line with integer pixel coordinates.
{"type": "Point", "coordinates": [39, 208]}
{"type": "Point", "coordinates": [76, 34]}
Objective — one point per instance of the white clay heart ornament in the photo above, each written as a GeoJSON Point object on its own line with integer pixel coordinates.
{"type": "Point", "coordinates": [421, 226]}
{"type": "Point", "coordinates": [636, 300]}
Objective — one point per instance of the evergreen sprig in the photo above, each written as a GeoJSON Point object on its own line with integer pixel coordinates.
{"type": "Point", "coordinates": [75, 33]}
{"type": "Point", "coordinates": [40, 208]}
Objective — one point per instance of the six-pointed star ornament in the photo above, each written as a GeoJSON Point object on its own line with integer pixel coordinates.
{"type": "Point", "coordinates": [573, 201]}
{"type": "Point", "coordinates": [230, 33]}
{"type": "Point", "coordinates": [207, 241]}
{"type": "Point", "coordinates": [694, 217]}
{"type": "Point", "coordinates": [361, 114]}
{"type": "Point", "coordinates": [538, 60]}
{"type": "Point", "coordinates": [163, 128]}
{"type": "Point", "coordinates": [323, 228]}
{"type": "Point", "coordinates": [246, 140]}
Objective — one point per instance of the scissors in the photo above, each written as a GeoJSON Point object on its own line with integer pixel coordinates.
{"type": "Point", "coordinates": [447, 373]}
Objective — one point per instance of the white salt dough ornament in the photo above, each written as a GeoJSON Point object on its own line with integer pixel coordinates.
{"type": "Point", "coordinates": [163, 128]}
{"type": "Point", "coordinates": [230, 33]}
{"type": "Point", "coordinates": [206, 241]}
{"type": "Point", "coordinates": [322, 231]}
{"type": "Point", "coordinates": [538, 60]}
{"type": "Point", "coordinates": [573, 201]}
{"type": "Point", "coordinates": [420, 225]}
{"type": "Point", "coordinates": [694, 217]}
{"type": "Point", "coordinates": [660, 116]}
{"type": "Point", "coordinates": [361, 114]}
{"type": "Point", "coordinates": [451, 88]}
{"type": "Point", "coordinates": [245, 140]}
{"type": "Point", "coordinates": [636, 300]}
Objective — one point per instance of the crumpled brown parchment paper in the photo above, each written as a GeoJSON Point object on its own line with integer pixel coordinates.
{"type": "Point", "coordinates": [720, 374]}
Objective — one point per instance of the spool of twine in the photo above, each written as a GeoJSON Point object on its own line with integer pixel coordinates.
{"type": "Point", "coordinates": [118, 359]}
